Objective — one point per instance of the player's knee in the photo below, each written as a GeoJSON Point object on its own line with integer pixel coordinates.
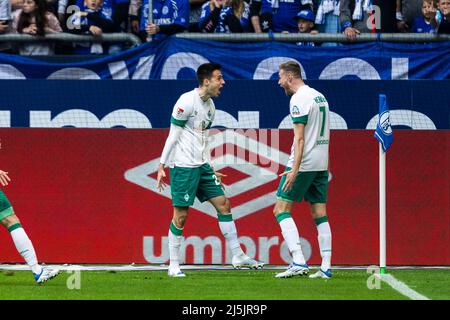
{"type": "Point", "coordinates": [277, 209]}
{"type": "Point", "coordinates": [180, 220]}
{"type": "Point", "coordinates": [224, 207]}
{"type": "Point", "coordinates": [318, 211]}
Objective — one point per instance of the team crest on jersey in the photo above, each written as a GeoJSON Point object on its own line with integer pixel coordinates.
{"type": "Point", "coordinates": [165, 10]}
{"type": "Point", "coordinates": [295, 111]}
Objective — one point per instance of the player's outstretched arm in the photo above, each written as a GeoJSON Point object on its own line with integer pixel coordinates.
{"type": "Point", "coordinates": [4, 178]}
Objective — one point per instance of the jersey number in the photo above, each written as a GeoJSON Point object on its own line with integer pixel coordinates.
{"type": "Point", "coordinates": [322, 109]}
{"type": "Point", "coordinates": [216, 180]}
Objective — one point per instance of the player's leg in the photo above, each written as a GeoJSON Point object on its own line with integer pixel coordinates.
{"type": "Point", "coordinates": [319, 214]}
{"type": "Point", "coordinates": [22, 243]}
{"type": "Point", "coordinates": [210, 189]}
{"type": "Point", "coordinates": [183, 187]}
{"type": "Point", "coordinates": [229, 231]}
{"type": "Point", "coordinates": [317, 197]}
{"type": "Point", "coordinates": [282, 212]}
{"type": "Point", "coordinates": [175, 240]}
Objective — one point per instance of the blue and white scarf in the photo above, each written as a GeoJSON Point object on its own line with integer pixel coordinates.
{"type": "Point", "coordinates": [361, 6]}
{"type": "Point", "coordinates": [327, 6]}
{"type": "Point", "coordinates": [276, 3]}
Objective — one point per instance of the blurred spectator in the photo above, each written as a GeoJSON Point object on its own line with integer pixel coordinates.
{"type": "Point", "coordinates": [407, 11]}
{"type": "Point", "coordinates": [358, 16]}
{"type": "Point", "coordinates": [120, 14]}
{"type": "Point", "coordinates": [327, 19]}
{"type": "Point", "coordinates": [225, 16]}
{"type": "Point", "coordinates": [5, 18]}
{"type": "Point", "coordinates": [134, 14]}
{"type": "Point", "coordinates": [422, 24]}
{"type": "Point", "coordinates": [169, 17]}
{"type": "Point", "coordinates": [91, 19]}
{"type": "Point", "coordinates": [65, 8]}
{"type": "Point", "coordinates": [442, 17]}
{"type": "Point", "coordinates": [353, 16]}
{"type": "Point", "coordinates": [16, 5]}
{"type": "Point", "coordinates": [116, 10]}
{"type": "Point", "coordinates": [387, 18]}
{"type": "Point", "coordinates": [195, 11]}
{"type": "Point", "coordinates": [305, 22]}
{"type": "Point", "coordinates": [35, 19]}
{"type": "Point", "coordinates": [277, 15]}
{"type": "Point", "coordinates": [5, 15]}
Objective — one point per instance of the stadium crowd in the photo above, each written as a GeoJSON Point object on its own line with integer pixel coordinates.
{"type": "Point", "coordinates": [95, 17]}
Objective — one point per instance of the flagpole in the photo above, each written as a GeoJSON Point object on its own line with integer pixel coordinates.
{"type": "Point", "coordinates": [382, 176]}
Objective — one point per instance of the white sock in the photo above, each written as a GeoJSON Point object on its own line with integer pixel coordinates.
{"type": "Point", "coordinates": [291, 236]}
{"type": "Point", "coordinates": [324, 238]}
{"type": "Point", "coordinates": [175, 238]}
{"type": "Point", "coordinates": [229, 231]}
{"type": "Point", "coordinates": [25, 247]}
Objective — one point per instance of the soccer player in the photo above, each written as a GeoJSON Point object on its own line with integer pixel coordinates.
{"type": "Point", "coordinates": [187, 153]}
{"type": "Point", "coordinates": [23, 244]}
{"type": "Point", "coordinates": [306, 174]}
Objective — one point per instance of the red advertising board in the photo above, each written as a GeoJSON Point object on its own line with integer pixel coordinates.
{"type": "Point", "coordinates": [88, 196]}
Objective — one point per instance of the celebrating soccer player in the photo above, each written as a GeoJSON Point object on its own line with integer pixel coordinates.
{"type": "Point", "coordinates": [306, 174]}
{"type": "Point", "coordinates": [187, 153]}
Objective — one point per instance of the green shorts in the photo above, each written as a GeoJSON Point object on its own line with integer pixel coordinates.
{"type": "Point", "coordinates": [6, 209]}
{"type": "Point", "coordinates": [311, 186]}
{"type": "Point", "coordinates": [188, 183]}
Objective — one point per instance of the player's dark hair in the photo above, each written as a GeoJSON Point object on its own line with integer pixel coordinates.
{"type": "Point", "coordinates": [292, 67]}
{"type": "Point", "coordinates": [206, 70]}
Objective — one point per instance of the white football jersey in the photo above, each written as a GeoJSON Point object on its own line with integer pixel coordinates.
{"type": "Point", "coordinates": [196, 117]}
{"type": "Point", "coordinates": [309, 106]}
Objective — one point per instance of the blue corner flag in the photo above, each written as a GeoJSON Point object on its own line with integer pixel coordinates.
{"type": "Point", "coordinates": [384, 133]}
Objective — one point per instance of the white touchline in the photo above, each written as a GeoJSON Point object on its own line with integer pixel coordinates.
{"type": "Point", "coordinates": [402, 287]}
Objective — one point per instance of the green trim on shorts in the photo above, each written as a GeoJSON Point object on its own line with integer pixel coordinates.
{"type": "Point", "coordinates": [175, 230]}
{"type": "Point", "coordinates": [283, 215]}
{"type": "Point", "coordinates": [321, 220]}
{"type": "Point", "coordinates": [225, 217]}
{"type": "Point", "coordinates": [284, 199]}
{"type": "Point", "coordinates": [14, 227]}
{"type": "Point", "coordinates": [302, 119]}
{"type": "Point", "coordinates": [177, 122]}
{"type": "Point", "coordinates": [6, 213]}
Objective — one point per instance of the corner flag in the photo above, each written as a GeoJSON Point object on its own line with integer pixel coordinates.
{"type": "Point", "coordinates": [385, 136]}
{"type": "Point", "coordinates": [384, 132]}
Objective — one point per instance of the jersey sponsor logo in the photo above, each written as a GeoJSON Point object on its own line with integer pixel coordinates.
{"type": "Point", "coordinates": [180, 111]}
{"type": "Point", "coordinates": [320, 99]}
{"type": "Point", "coordinates": [256, 175]}
{"type": "Point", "coordinates": [319, 142]}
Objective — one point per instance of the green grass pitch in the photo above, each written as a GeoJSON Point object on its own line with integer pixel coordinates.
{"type": "Point", "coordinates": [219, 285]}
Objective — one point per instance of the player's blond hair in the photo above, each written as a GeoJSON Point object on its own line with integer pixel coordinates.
{"type": "Point", "coordinates": [292, 67]}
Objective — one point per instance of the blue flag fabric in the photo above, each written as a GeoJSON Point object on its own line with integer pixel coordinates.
{"type": "Point", "coordinates": [384, 133]}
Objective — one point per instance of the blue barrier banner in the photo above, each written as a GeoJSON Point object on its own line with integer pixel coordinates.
{"type": "Point", "coordinates": [179, 58]}
{"type": "Point", "coordinates": [415, 104]}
